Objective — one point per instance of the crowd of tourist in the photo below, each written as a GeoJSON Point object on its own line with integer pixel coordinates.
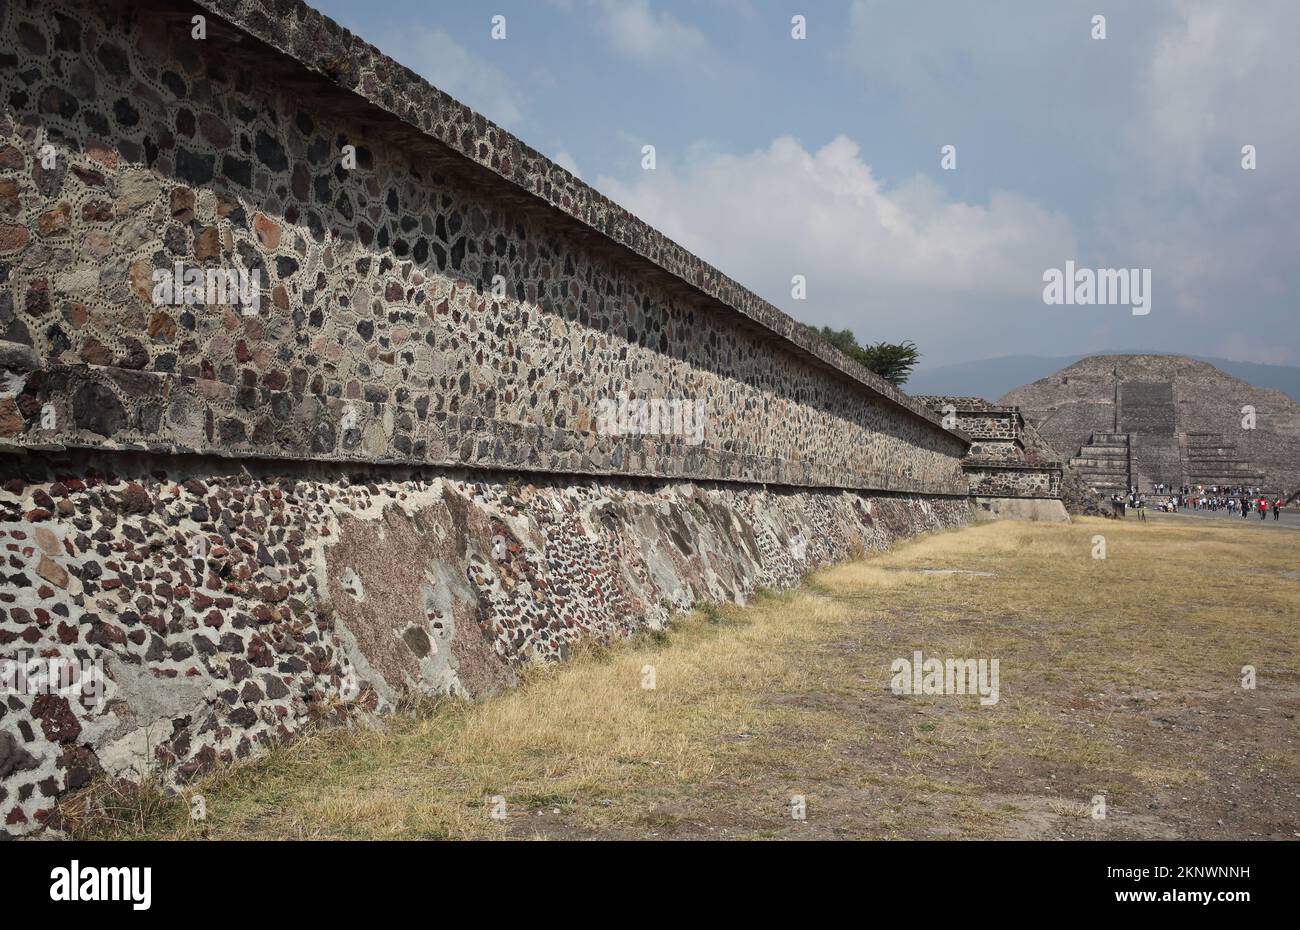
{"type": "Point", "coordinates": [1234, 500]}
{"type": "Point", "coordinates": [1244, 504]}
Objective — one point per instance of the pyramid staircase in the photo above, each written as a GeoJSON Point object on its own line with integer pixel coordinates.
{"type": "Point", "coordinates": [1103, 463]}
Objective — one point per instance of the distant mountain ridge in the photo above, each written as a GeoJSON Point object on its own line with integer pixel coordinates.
{"type": "Point", "coordinates": [991, 378]}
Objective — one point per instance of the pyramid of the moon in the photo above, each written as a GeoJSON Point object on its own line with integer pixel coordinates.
{"type": "Point", "coordinates": [1124, 420]}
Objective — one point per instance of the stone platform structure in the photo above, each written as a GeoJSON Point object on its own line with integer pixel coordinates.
{"type": "Point", "coordinates": [1010, 470]}
{"type": "Point", "coordinates": [1137, 420]}
{"type": "Point", "coordinates": [387, 467]}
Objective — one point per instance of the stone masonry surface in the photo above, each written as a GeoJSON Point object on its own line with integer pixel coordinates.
{"type": "Point", "coordinates": [318, 43]}
{"type": "Point", "coordinates": [387, 473]}
{"type": "Point", "coordinates": [1006, 457]}
{"type": "Point", "coordinates": [379, 336]}
{"type": "Point", "coordinates": [229, 606]}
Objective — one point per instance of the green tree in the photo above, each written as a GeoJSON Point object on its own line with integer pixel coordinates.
{"type": "Point", "coordinates": [892, 361]}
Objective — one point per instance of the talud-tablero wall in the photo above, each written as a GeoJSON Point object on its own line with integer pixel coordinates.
{"type": "Point", "coordinates": [408, 455]}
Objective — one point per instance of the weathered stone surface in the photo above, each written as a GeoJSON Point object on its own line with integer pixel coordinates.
{"type": "Point", "coordinates": [13, 757]}
{"type": "Point", "coordinates": [1007, 458]}
{"type": "Point", "coordinates": [207, 245]}
{"type": "Point", "coordinates": [182, 204]}
{"type": "Point", "coordinates": [13, 238]}
{"type": "Point", "coordinates": [162, 328]}
{"type": "Point", "coordinates": [93, 352]}
{"type": "Point", "coordinates": [268, 232]}
{"type": "Point", "coordinates": [11, 418]}
{"type": "Point", "coordinates": [55, 222]}
{"type": "Point", "coordinates": [52, 572]}
{"type": "Point", "coordinates": [97, 211]}
{"type": "Point", "coordinates": [370, 288]}
{"type": "Point", "coordinates": [135, 499]}
{"type": "Point", "coordinates": [137, 189]}
{"type": "Point", "coordinates": [16, 357]}
{"type": "Point", "coordinates": [47, 540]}
{"type": "Point", "coordinates": [235, 597]}
{"type": "Point", "coordinates": [96, 409]}
{"type": "Point", "coordinates": [10, 203]}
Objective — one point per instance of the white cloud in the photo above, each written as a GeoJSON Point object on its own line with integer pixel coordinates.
{"type": "Point", "coordinates": [784, 210]}
{"type": "Point", "coordinates": [650, 35]}
{"type": "Point", "coordinates": [568, 163]}
{"type": "Point", "coordinates": [1141, 136]}
{"type": "Point", "coordinates": [446, 64]}
{"type": "Point", "coordinates": [1219, 78]}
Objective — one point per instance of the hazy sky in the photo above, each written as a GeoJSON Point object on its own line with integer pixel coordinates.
{"type": "Point", "coordinates": [821, 157]}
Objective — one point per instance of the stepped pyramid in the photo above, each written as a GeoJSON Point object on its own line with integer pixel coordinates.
{"type": "Point", "coordinates": [1147, 419]}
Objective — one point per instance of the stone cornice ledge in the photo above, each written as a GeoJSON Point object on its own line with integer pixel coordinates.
{"type": "Point", "coordinates": [976, 462]}
{"type": "Point", "coordinates": [345, 60]}
{"type": "Point", "coordinates": [107, 408]}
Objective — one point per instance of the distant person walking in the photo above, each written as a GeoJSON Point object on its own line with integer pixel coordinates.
{"type": "Point", "coordinates": [1263, 508]}
{"type": "Point", "coordinates": [1277, 507]}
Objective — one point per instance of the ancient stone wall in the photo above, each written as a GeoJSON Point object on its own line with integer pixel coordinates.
{"type": "Point", "coordinates": [1000, 462]}
{"type": "Point", "coordinates": [377, 334]}
{"type": "Point", "coordinates": [994, 423]}
{"type": "Point", "coordinates": [996, 479]}
{"type": "Point", "coordinates": [467, 413]}
{"type": "Point", "coordinates": [229, 605]}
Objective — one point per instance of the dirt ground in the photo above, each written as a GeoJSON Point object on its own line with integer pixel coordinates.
{"type": "Point", "coordinates": [1120, 694]}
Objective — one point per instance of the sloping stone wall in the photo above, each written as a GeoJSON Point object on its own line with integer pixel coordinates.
{"type": "Point", "coordinates": [226, 606]}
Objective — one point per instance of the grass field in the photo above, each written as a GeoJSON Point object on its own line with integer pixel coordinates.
{"type": "Point", "coordinates": [1119, 677]}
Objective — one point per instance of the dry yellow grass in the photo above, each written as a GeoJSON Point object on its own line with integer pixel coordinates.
{"type": "Point", "coordinates": [1118, 676]}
